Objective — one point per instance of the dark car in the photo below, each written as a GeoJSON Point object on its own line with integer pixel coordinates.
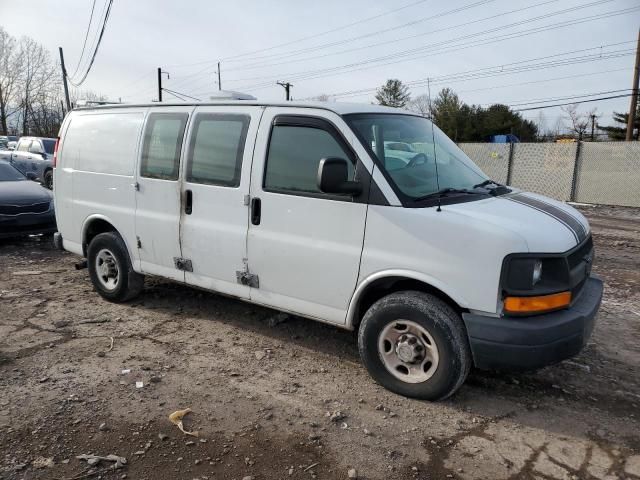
{"type": "Point", "coordinates": [26, 207]}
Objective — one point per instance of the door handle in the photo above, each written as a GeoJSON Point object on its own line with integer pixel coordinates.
{"type": "Point", "coordinates": [256, 211]}
{"type": "Point", "coordinates": [188, 202]}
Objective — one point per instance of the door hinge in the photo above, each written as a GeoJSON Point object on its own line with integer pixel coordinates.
{"type": "Point", "coordinates": [244, 277]}
{"type": "Point", "coordinates": [136, 186]}
{"type": "Point", "coordinates": [138, 242]}
{"type": "Point", "coordinates": [183, 264]}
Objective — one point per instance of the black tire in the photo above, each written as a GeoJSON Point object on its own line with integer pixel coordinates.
{"type": "Point", "coordinates": [441, 322]}
{"type": "Point", "coordinates": [47, 179]}
{"type": "Point", "coordinates": [129, 284]}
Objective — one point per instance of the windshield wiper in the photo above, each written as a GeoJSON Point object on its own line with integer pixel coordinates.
{"type": "Point", "coordinates": [488, 182]}
{"type": "Point", "coordinates": [443, 193]}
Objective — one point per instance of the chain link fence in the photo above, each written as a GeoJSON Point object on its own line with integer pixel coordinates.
{"type": "Point", "coordinates": [606, 173]}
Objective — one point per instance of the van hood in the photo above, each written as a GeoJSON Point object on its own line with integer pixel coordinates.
{"type": "Point", "coordinates": [545, 225]}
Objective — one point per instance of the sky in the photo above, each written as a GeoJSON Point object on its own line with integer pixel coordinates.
{"type": "Point", "coordinates": [488, 51]}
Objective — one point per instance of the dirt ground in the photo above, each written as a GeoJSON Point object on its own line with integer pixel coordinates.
{"type": "Point", "coordinates": [292, 400]}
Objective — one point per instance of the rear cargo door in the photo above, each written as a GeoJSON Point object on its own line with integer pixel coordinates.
{"type": "Point", "coordinates": [158, 195]}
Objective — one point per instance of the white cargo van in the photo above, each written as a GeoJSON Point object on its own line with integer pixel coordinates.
{"type": "Point", "coordinates": [360, 216]}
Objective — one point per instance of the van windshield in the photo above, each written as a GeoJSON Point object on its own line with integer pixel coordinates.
{"type": "Point", "coordinates": [417, 157]}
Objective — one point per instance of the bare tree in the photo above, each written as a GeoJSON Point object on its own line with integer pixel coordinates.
{"type": "Point", "coordinates": [420, 105]}
{"type": "Point", "coordinates": [37, 80]}
{"type": "Point", "coordinates": [579, 122]}
{"type": "Point", "coordinates": [323, 97]}
{"type": "Point", "coordinates": [11, 67]}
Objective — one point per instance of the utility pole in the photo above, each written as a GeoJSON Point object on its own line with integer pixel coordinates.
{"type": "Point", "coordinates": [219, 78]}
{"type": "Point", "coordinates": [160, 72]}
{"type": "Point", "coordinates": [159, 84]}
{"type": "Point", "coordinates": [634, 94]}
{"type": "Point", "coordinates": [287, 88]}
{"type": "Point", "coordinates": [593, 123]}
{"type": "Point", "coordinates": [64, 80]}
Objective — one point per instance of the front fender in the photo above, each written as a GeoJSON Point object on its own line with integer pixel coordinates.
{"type": "Point", "coordinates": [451, 292]}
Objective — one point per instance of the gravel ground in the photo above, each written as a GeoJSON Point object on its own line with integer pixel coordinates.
{"type": "Point", "coordinates": [285, 400]}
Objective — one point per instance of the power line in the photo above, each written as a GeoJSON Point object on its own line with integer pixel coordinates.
{"type": "Point", "coordinates": [386, 30]}
{"type": "Point", "coordinates": [532, 82]}
{"type": "Point", "coordinates": [86, 36]}
{"type": "Point", "coordinates": [175, 94]}
{"type": "Point", "coordinates": [534, 101]}
{"type": "Point", "coordinates": [377, 32]}
{"type": "Point", "coordinates": [573, 103]}
{"type": "Point", "coordinates": [95, 51]}
{"type": "Point", "coordinates": [408, 55]}
{"type": "Point", "coordinates": [499, 69]}
{"type": "Point", "coordinates": [302, 39]}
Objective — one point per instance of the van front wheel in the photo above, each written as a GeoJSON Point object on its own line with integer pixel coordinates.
{"type": "Point", "coordinates": [110, 268]}
{"type": "Point", "coordinates": [414, 344]}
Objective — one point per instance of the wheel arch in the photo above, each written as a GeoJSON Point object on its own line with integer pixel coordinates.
{"type": "Point", "coordinates": [383, 283]}
{"type": "Point", "coordinates": [95, 225]}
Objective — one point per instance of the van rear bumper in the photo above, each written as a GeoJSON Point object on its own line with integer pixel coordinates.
{"type": "Point", "coordinates": [523, 343]}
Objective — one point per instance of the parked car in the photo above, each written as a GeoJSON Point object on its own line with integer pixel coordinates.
{"type": "Point", "coordinates": [292, 206]}
{"type": "Point", "coordinates": [3, 142]}
{"type": "Point", "coordinates": [25, 206]}
{"type": "Point", "coordinates": [35, 155]}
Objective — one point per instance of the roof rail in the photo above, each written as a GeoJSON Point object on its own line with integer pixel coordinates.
{"type": "Point", "coordinates": [84, 103]}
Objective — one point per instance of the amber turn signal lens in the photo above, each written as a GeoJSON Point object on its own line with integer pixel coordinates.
{"type": "Point", "coordinates": [537, 304]}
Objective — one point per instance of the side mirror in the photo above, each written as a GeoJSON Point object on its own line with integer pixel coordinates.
{"type": "Point", "coordinates": [333, 177]}
{"type": "Point", "coordinates": [32, 176]}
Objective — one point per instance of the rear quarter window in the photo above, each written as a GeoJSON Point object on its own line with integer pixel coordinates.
{"type": "Point", "coordinates": [102, 142]}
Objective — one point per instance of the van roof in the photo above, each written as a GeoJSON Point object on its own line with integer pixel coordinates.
{"type": "Point", "coordinates": [337, 107]}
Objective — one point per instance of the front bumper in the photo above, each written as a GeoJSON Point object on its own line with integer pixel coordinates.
{"type": "Point", "coordinates": [27, 224]}
{"type": "Point", "coordinates": [535, 341]}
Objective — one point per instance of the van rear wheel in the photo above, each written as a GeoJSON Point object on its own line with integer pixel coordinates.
{"type": "Point", "coordinates": [414, 344]}
{"type": "Point", "coordinates": [110, 268]}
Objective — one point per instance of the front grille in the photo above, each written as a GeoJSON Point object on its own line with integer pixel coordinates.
{"type": "Point", "coordinates": [578, 256]}
{"type": "Point", "coordinates": [19, 209]}
{"type": "Point", "coordinates": [580, 262]}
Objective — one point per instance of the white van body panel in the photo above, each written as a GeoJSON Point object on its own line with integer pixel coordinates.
{"type": "Point", "coordinates": [95, 173]}
{"type": "Point", "coordinates": [438, 248]}
{"type": "Point", "coordinates": [157, 216]}
{"type": "Point", "coordinates": [214, 235]}
{"type": "Point", "coordinates": [306, 250]}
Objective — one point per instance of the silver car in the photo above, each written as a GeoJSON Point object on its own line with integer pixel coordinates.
{"type": "Point", "coordinates": [34, 156]}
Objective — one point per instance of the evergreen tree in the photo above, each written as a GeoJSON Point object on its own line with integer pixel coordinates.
{"type": "Point", "coordinates": [620, 133]}
{"type": "Point", "coordinates": [393, 94]}
{"type": "Point", "coordinates": [473, 123]}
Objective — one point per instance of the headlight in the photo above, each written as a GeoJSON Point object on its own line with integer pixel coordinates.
{"type": "Point", "coordinates": [537, 272]}
{"type": "Point", "coordinates": [535, 283]}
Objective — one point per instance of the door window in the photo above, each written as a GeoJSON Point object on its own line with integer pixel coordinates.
{"type": "Point", "coordinates": [23, 145]}
{"type": "Point", "coordinates": [162, 145]}
{"type": "Point", "coordinates": [216, 149]}
{"type": "Point", "coordinates": [35, 147]}
{"type": "Point", "coordinates": [294, 156]}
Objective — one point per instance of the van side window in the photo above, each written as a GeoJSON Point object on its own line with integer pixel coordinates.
{"type": "Point", "coordinates": [162, 145]}
{"type": "Point", "coordinates": [216, 149]}
{"type": "Point", "coordinates": [294, 156]}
